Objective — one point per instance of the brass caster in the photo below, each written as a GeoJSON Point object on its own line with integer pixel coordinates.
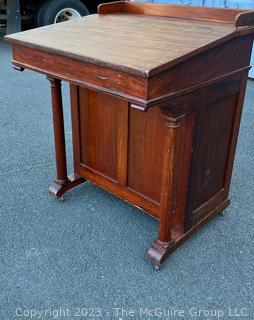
{"type": "Point", "coordinates": [60, 199]}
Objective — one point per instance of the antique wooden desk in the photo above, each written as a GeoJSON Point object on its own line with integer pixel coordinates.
{"type": "Point", "coordinates": [156, 99]}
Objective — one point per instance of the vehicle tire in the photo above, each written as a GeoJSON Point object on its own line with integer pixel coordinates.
{"type": "Point", "coordinates": [54, 11]}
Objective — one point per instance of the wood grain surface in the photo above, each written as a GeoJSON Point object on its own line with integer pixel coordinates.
{"type": "Point", "coordinates": [173, 10]}
{"type": "Point", "coordinates": [117, 40]}
{"type": "Point", "coordinates": [156, 106]}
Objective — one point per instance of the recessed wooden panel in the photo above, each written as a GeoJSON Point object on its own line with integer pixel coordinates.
{"type": "Point", "coordinates": [175, 165]}
{"type": "Point", "coordinates": [146, 138]}
{"type": "Point", "coordinates": [212, 148]}
{"type": "Point", "coordinates": [98, 132]}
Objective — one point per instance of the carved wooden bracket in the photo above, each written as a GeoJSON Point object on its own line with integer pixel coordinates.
{"type": "Point", "coordinates": [244, 19]}
{"type": "Point", "coordinates": [54, 83]}
{"type": "Point", "coordinates": [171, 120]}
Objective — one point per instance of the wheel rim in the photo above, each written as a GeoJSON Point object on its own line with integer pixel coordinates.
{"type": "Point", "coordinates": [66, 14]}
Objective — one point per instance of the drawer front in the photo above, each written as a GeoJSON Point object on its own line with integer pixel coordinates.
{"type": "Point", "coordinates": [125, 85]}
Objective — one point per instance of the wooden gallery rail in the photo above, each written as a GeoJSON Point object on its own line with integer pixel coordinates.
{"type": "Point", "coordinates": [156, 100]}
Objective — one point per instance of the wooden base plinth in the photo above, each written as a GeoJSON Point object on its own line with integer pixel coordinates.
{"type": "Point", "coordinates": [159, 251]}
{"type": "Point", "coordinates": [58, 188]}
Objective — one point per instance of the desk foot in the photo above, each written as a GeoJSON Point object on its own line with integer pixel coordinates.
{"type": "Point", "coordinates": [159, 252]}
{"type": "Point", "coordinates": [58, 188]}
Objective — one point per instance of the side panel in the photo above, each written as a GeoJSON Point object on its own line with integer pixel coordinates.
{"type": "Point", "coordinates": [218, 120]}
{"type": "Point", "coordinates": [212, 147]}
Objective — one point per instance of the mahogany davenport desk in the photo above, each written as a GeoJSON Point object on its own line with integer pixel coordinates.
{"type": "Point", "coordinates": [156, 99]}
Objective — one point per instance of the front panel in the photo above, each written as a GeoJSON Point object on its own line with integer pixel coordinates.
{"type": "Point", "coordinates": [145, 152]}
{"type": "Point", "coordinates": [98, 132]}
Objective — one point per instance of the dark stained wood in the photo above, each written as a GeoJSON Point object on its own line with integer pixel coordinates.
{"type": "Point", "coordinates": [98, 128]}
{"type": "Point", "coordinates": [145, 130]}
{"type": "Point", "coordinates": [213, 143]}
{"type": "Point", "coordinates": [244, 19]}
{"type": "Point", "coordinates": [115, 38]}
{"type": "Point", "coordinates": [113, 7]}
{"type": "Point", "coordinates": [90, 75]}
{"type": "Point", "coordinates": [174, 183]}
{"type": "Point", "coordinates": [122, 141]}
{"type": "Point", "coordinates": [213, 150]}
{"type": "Point", "coordinates": [58, 124]}
{"type": "Point", "coordinates": [215, 117]}
{"type": "Point", "coordinates": [155, 115]}
{"type": "Point", "coordinates": [184, 148]}
{"type": "Point", "coordinates": [158, 251]}
{"type": "Point", "coordinates": [173, 11]}
{"type": "Point", "coordinates": [120, 43]}
{"type": "Point", "coordinates": [138, 200]}
{"type": "Point", "coordinates": [167, 205]}
{"type": "Point", "coordinates": [74, 96]}
{"type": "Point", "coordinates": [177, 80]}
{"type": "Point", "coordinates": [148, 92]}
{"type": "Point", "coordinates": [234, 132]}
{"type": "Point", "coordinates": [180, 238]}
{"type": "Point", "coordinates": [62, 182]}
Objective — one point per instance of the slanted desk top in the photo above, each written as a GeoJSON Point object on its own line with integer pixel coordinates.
{"type": "Point", "coordinates": [156, 99]}
{"type": "Point", "coordinates": [117, 40]}
{"type": "Point", "coordinates": [139, 40]}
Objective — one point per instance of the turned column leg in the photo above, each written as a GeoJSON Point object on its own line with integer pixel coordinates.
{"type": "Point", "coordinates": [164, 232]}
{"type": "Point", "coordinates": [58, 125]}
{"type": "Point", "coordinates": [161, 246]}
{"type": "Point", "coordinates": [61, 183]}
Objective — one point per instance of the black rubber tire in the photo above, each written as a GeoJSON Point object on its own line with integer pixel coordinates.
{"type": "Point", "coordinates": [47, 12]}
